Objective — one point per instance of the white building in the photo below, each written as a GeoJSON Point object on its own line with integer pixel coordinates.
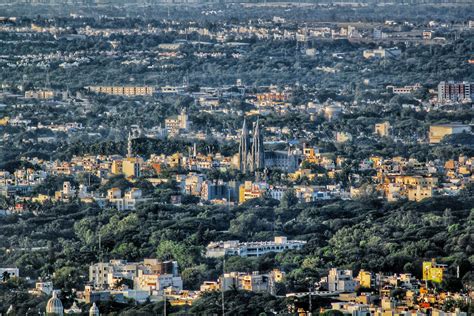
{"type": "Point", "coordinates": [252, 249]}
{"type": "Point", "coordinates": [341, 281]}
{"type": "Point", "coordinates": [150, 274]}
{"type": "Point", "coordinates": [382, 53]}
{"type": "Point", "coordinates": [127, 202]}
{"type": "Point", "coordinates": [12, 272]}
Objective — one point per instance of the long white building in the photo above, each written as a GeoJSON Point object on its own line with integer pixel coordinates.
{"type": "Point", "coordinates": [252, 249]}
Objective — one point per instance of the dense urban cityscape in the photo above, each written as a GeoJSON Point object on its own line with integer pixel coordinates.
{"type": "Point", "coordinates": [171, 157]}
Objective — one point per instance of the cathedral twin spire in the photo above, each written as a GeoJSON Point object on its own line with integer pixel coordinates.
{"type": "Point", "coordinates": [251, 153]}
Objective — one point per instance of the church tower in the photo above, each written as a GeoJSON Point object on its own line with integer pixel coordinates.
{"type": "Point", "coordinates": [244, 146]}
{"type": "Point", "coordinates": [258, 151]}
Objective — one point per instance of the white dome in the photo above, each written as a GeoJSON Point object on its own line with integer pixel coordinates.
{"type": "Point", "coordinates": [94, 311]}
{"type": "Point", "coordinates": [54, 306]}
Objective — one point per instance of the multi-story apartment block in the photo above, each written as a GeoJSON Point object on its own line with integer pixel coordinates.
{"type": "Point", "coordinates": [123, 90]}
{"type": "Point", "coordinates": [455, 92]}
{"type": "Point", "coordinates": [174, 125]}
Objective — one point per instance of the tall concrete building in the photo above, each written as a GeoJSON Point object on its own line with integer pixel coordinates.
{"type": "Point", "coordinates": [455, 92]}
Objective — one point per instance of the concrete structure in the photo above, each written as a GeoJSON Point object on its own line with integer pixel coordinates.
{"type": "Point", "coordinates": [341, 281]}
{"type": "Point", "coordinates": [455, 92]}
{"type": "Point", "coordinates": [39, 94]}
{"type": "Point", "coordinates": [150, 274]}
{"type": "Point", "coordinates": [252, 249]}
{"type": "Point", "coordinates": [253, 282]}
{"type": "Point", "coordinates": [123, 90]}
{"type": "Point", "coordinates": [12, 272]}
{"type": "Point", "coordinates": [437, 132]}
{"type": "Point", "coordinates": [382, 129]}
{"type": "Point", "coordinates": [131, 167]}
{"type": "Point", "coordinates": [433, 271]}
{"type": "Point", "coordinates": [382, 53]}
{"type": "Point", "coordinates": [127, 202]}
{"type": "Point", "coordinates": [174, 125]}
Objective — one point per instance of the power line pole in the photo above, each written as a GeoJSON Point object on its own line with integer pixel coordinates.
{"type": "Point", "coordinates": [222, 286]}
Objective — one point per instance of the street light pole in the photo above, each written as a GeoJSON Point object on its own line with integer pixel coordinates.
{"type": "Point", "coordinates": [310, 304]}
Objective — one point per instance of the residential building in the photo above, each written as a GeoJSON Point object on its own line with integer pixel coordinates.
{"type": "Point", "coordinates": [104, 275]}
{"type": "Point", "coordinates": [250, 190]}
{"type": "Point", "coordinates": [174, 125]}
{"type": "Point", "coordinates": [253, 282]}
{"type": "Point", "coordinates": [252, 249]}
{"type": "Point", "coordinates": [382, 129]}
{"type": "Point", "coordinates": [39, 94]}
{"type": "Point", "coordinates": [382, 53]}
{"type": "Point", "coordinates": [127, 202]}
{"type": "Point", "coordinates": [449, 91]}
{"type": "Point", "coordinates": [433, 271]}
{"type": "Point", "coordinates": [341, 281]}
{"type": "Point", "coordinates": [123, 90]}
{"type": "Point", "coordinates": [365, 279]}
{"type": "Point", "coordinates": [130, 167]}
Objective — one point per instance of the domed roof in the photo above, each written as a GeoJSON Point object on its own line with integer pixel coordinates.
{"type": "Point", "coordinates": [54, 306]}
{"type": "Point", "coordinates": [94, 311]}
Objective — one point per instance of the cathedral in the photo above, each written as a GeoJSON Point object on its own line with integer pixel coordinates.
{"type": "Point", "coordinates": [253, 157]}
{"type": "Point", "coordinates": [251, 153]}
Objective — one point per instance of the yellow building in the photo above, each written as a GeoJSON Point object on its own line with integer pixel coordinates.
{"type": "Point", "coordinates": [419, 193]}
{"type": "Point", "coordinates": [433, 271]}
{"type": "Point", "coordinates": [302, 173]}
{"type": "Point", "coordinates": [4, 121]}
{"type": "Point", "coordinates": [249, 191]}
{"type": "Point", "coordinates": [131, 168]}
{"type": "Point", "coordinates": [382, 129]}
{"type": "Point", "coordinates": [40, 94]}
{"type": "Point", "coordinates": [117, 167]}
{"type": "Point", "coordinates": [208, 286]}
{"type": "Point", "coordinates": [41, 198]}
{"type": "Point", "coordinates": [365, 279]}
{"type": "Point", "coordinates": [437, 132]}
{"type": "Point", "coordinates": [310, 155]}
{"type": "Point", "coordinates": [174, 160]}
